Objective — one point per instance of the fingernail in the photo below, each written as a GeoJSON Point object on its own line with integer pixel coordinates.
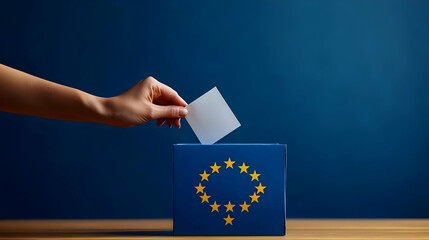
{"type": "Point", "coordinates": [180, 125]}
{"type": "Point", "coordinates": [183, 112]}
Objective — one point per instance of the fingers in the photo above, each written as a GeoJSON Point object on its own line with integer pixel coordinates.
{"type": "Point", "coordinates": [176, 122]}
{"type": "Point", "coordinates": [160, 122]}
{"type": "Point", "coordinates": [170, 111]}
{"type": "Point", "coordinates": [170, 96]}
{"type": "Point", "coordinates": [167, 106]}
{"type": "Point", "coordinates": [166, 95]}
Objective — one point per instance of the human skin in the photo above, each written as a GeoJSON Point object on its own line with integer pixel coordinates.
{"type": "Point", "coordinates": [149, 99]}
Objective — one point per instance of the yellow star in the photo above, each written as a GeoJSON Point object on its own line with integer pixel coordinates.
{"type": "Point", "coordinates": [205, 198]}
{"type": "Point", "coordinates": [228, 220]}
{"type": "Point", "coordinates": [229, 207]}
{"type": "Point", "coordinates": [254, 197]}
{"type": "Point", "coordinates": [215, 207]}
{"type": "Point", "coordinates": [204, 176]}
{"type": "Point", "coordinates": [243, 168]}
{"type": "Point", "coordinates": [254, 175]}
{"type": "Point", "coordinates": [260, 188]}
{"type": "Point", "coordinates": [229, 163]}
{"type": "Point", "coordinates": [245, 207]}
{"type": "Point", "coordinates": [199, 188]}
{"type": "Point", "coordinates": [215, 168]}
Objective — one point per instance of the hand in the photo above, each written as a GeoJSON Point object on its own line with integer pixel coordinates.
{"type": "Point", "coordinates": [145, 101]}
{"type": "Point", "coordinates": [149, 99]}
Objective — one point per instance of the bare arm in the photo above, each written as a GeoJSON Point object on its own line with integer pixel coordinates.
{"type": "Point", "coordinates": [149, 99]}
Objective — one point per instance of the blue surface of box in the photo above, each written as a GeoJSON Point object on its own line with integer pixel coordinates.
{"type": "Point", "coordinates": [230, 189]}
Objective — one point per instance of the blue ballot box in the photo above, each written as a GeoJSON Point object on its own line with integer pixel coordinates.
{"type": "Point", "coordinates": [229, 189]}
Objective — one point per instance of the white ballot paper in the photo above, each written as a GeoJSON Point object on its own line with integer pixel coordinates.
{"type": "Point", "coordinates": [210, 117]}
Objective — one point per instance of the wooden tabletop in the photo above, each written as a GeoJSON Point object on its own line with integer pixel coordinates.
{"type": "Point", "coordinates": [162, 229]}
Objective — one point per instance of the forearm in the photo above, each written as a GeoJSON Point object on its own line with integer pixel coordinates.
{"type": "Point", "coordinates": [26, 94]}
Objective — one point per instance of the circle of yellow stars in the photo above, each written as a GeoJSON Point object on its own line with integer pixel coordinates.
{"type": "Point", "coordinates": [229, 207]}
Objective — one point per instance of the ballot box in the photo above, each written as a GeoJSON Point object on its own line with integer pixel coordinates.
{"type": "Point", "coordinates": [229, 190]}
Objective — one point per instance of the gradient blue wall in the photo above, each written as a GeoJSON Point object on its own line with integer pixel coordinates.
{"type": "Point", "coordinates": [344, 83]}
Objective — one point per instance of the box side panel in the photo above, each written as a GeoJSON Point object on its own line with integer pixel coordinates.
{"type": "Point", "coordinates": [265, 217]}
{"type": "Point", "coordinates": [174, 180]}
{"type": "Point", "coordinates": [285, 191]}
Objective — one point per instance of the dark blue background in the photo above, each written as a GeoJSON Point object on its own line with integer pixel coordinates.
{"type": "Point", "coordinates": [343, 83]}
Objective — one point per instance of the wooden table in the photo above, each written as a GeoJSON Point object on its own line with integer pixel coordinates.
{"type": "Point", "coordinates": [162, 229]}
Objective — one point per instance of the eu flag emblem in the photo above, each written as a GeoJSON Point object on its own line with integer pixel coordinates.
{"type": "Point", "coordinates": [229, 189]}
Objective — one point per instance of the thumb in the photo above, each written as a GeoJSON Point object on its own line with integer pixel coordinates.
{"type": "Point", "coordinates": [170, 111]}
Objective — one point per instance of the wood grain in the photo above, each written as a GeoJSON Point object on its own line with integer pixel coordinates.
{"type": "Point", "coordinates": [161, 229]}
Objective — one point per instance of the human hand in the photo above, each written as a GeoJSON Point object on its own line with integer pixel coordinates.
{"type": "Point", "coordinates": [145, 101]}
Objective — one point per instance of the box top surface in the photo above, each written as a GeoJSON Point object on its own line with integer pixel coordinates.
{"type": "Point", "coordinates": [220, 144]}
